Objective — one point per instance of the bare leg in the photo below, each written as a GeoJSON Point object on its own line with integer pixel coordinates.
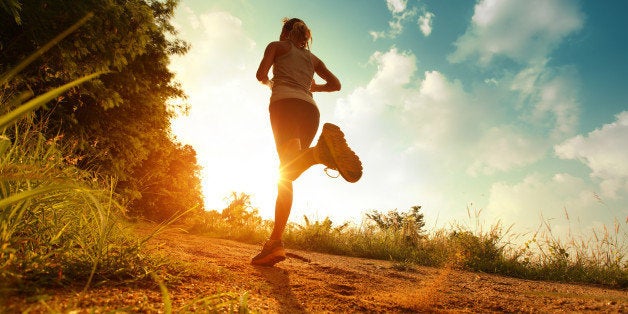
{"type": "Point", "coordinates": [293, 167]}
{"type": "Point", "coordinates": [290, 171]}
{"type": "Point", "coordinates": [294, 124]}
{"type": "Point", "coordinates": [283, 205]}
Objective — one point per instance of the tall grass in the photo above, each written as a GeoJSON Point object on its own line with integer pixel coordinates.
{"type": "Point", "coordinates": [599, 258]}
{"type": "Point", "coordinates": [58, 224]}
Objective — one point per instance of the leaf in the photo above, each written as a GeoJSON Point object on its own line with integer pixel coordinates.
{"type": "Point", "coordinates": [40, 100]}
{"type": "Point", "coordinates": [11, 73]}
{"type": "Point", "coordinates": [25, 195]}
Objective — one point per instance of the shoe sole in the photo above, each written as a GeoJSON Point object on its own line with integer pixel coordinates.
{"type": "Point", "coordinates": [347, 162]}
{"type": "Point", "coordinates": [271, 259]}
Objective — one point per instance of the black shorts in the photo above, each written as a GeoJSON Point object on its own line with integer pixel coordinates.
{"type": "Point", "coordinates": [293, 118]}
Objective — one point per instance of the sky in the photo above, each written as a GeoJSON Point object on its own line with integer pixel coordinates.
{"type": "Point", "coordinates": [516, 110]}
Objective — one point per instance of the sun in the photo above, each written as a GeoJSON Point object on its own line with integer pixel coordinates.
{"type": "Point", "coordinates": [218, 183]}
{"type": "Point", "coordinates": [232, 162]}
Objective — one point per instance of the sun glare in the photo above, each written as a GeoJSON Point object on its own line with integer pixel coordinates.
{"type": "Point", "coordinates": [218, 183]}
{"type": "Point", "coordinates": [227, 166]}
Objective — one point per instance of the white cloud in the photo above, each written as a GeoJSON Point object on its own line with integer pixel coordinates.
{"type": "Point", "coordinates": [396, 6]}
{"type": "Point", "coordinates": [396, 123]}
{"type": "Point", "coordinates": [546, 110]}
{"type": "Point", "coordinates": [559, 200]}
{"type": "Point", "coordinates": [412, 131]}
{"type": "Point", "coordinates": [432, 114]}
{"type": "Point", "coordinates": [377, 35]}
{"type": "Point", "coordinates": [557, 98]}
{"type": "Point", "coordinates": [193, 19]}
{"type": "Point", "coordinates": [524, 31]}
{"type": "Point", "coordinates": [394, 69]}
{"type": "Point", "coordinates": [425, 23]}
{"type": "Point", "coordinates": [503, 148]}
{"type": "Point", "coordinates": [605, 152]}
{"type": "Point", "coordinates": [548, 98]}
{"type": "Point", "coordinates": [400, 15]}
{"type": "Point", "coordinates": [442, 115]}
{"type": "Point", "coordinates": [220, 52]}
{"type": "Point", "coordinates": [567, 201]}
{"type": "Point", "coordinates": [435, 118]}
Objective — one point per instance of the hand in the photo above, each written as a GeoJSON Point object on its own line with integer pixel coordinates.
{"type": "Point", "coordinates": [314, 87]}
{"type": "Point", "coordinates": [267, 82]}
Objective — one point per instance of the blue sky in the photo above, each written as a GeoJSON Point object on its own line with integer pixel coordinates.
{"type": "Point", "coordinates": [515, 108]}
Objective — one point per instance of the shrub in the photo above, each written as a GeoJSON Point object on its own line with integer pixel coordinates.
{"type": "Point", "coordinates": [57, 223]}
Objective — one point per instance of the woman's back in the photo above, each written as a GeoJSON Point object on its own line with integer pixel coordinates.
{"type": "Point", "coordinates": [294, 68]}
{"type": "Point", "coordinates": [292, 74]}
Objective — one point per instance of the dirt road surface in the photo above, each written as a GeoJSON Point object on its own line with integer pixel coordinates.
{"type": "Point", "coordinates": [319, 283]}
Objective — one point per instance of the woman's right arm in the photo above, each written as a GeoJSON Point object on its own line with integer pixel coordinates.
{"type": "Point", "coordinates": [266, 63]}
{"type": "Point", "coordinates": [332, 83]}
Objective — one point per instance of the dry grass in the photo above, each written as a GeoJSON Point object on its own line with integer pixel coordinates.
{"type": "Point", "coordinates": [600, 258]}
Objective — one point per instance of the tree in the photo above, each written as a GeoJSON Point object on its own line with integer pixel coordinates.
{"type": "Point", "coordinates": [168, 182]}
{"type": "Point", "coordinates": [114, 123]}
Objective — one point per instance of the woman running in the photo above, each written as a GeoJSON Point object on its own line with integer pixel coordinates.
{"type": "Point", "coordinates": [294, 118]}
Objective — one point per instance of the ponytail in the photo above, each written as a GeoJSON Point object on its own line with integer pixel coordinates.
{"type": "Point", "coordinates": [296, 31]}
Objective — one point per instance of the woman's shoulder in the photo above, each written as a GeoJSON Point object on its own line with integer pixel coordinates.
{"type": "Point", "coordinates": [280, 47]}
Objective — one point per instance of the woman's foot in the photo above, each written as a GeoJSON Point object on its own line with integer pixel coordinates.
{"type": "Point", "coordinates": [272, 253]}
{"type": "Point", "coordinates": [334, 152]}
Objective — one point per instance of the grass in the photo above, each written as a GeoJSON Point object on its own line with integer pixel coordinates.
{"type": "Point", "coordinates": [599, 258]}
{"type": "Point", "coordinates": [59, 225]}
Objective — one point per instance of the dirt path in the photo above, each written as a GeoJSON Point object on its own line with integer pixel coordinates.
{"type": "Point", "coordinates": [312, 282]}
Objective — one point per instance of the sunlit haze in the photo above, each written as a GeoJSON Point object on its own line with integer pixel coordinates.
{"type": "Point", "coordinates": [515, 108]}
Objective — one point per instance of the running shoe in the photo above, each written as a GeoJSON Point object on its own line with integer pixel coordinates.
{"type": "Point", "coordinates": [272, 253]}
{"type": "Point", "coordinates": [335, 153]}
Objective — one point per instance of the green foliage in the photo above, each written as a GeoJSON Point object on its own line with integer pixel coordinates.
{"type": "Point", "coordinates": [240, 213]}
{"type": "Point", "coordinates": [118, 121]}
{"type": "Point", "coordinates": [58, 223]}
{"type": "Point", "coordinates": [39, 101]}
{"type": "Point", "coordinates": [600, 259]}
{"type": "Point", "coordinates": [168, 181]}
{"type": "Point", "coordinates": [481, 252]}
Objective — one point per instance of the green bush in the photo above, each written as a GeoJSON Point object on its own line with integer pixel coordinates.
{"type": "Point", "coordinates": [58, 223]}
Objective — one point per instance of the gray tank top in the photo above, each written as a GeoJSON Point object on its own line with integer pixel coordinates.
{"type": "Point", "coordinates": [292, 76]}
